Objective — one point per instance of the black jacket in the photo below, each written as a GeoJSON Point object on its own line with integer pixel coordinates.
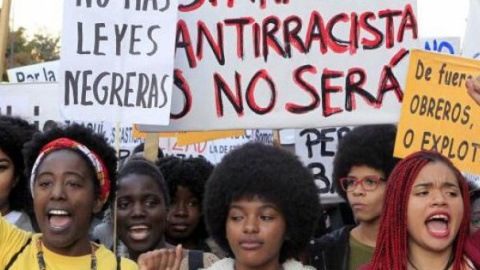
{"type": "Point", "coordinates": [331, 251]}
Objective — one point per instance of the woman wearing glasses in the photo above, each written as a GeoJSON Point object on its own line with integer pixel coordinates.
{"type": "Point", "coordinates": [363, 162]}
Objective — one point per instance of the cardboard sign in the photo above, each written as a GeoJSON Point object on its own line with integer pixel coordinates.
{"type": "Point", "coordinates": [43, 72]}
{"type": "Point", "coordinates": [289, 64]}
{"type": "Point", "coordinates": [117, 60]}
{"type": "Point", "coordinates": [438, 114]}
{"type": "Point", "coordinates": [317, 148]}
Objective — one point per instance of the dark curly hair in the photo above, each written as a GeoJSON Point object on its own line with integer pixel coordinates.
{"type": "Point", "coordinates": [24, 128]}
{"type": "Point", "coordinates": [93, 141]}
{"type": "Point", "coordinates": [11, 144]}
{"type": "Point", "coordinates": [369, 145]}
{"type": "Point", "coordinates": [139, 165]}
{"type": "Point", "coordinates": [191, 173]}
{"type": "Point", "coordinates": [272, 174]}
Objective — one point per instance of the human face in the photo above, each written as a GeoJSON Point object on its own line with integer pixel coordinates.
{"type": "Point", "coordinates": [475, 217]}
{"type": "Point", "coordinates": [64, 201]}
{"type": "Point", "coordinates": [435, 209]}
{"type": "Point", "coordinates": [141, 213]}
{"type": "Point", "coordinates": [183, 215]}
{"type": "Point", "coordinates": [7, 181]}
{"type": "Point", "coordinates": [366, 204]}
{"type": "Point", "coordinates": [255, 232]}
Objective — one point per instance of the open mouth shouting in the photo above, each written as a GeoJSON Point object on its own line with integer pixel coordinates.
{"type": "Point", "coordinates": [58, 219]}
{"type": "Point", "coordinates": [438, 225]}
{"type": "Point", "coordinates": [139, 232]}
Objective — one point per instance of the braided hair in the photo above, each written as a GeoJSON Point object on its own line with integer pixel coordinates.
{"type": "Point", "coordinates": [391, 250]}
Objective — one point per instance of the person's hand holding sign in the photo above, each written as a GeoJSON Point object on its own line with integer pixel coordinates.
{"type": "Point", "coordinates": [473, 87]}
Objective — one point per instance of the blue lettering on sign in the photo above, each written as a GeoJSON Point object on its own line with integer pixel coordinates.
{"type": "Point", "coordinates": [443, 47]}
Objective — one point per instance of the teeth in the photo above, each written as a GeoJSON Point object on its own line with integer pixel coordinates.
{"type": "Point", "coordinates": [58, 213]}
{"type": "Point", "coordinates": [443, 217]}
{"type": "Point", "coordinates": [139, 227]}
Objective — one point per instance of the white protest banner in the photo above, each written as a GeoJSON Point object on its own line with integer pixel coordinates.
{"type": "Point", "coordinates": [43, 72]}
{"type": "Point", "coordinates": [316, 148]}
{"type": "Point", "coordinates": [447, 45]}
{"type": "Point", "coordinates": [471, 41]}
{"type": "Point", "coordinates": [287, 64]}
{"type": "Point", "coordinates": [214, 150]}
{"type": "Point", "coordinates": [117, 60]}
{"type": "Point", "coordinates": [38, 104]}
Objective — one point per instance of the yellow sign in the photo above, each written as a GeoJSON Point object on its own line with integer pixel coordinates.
{"type": "Point", "coordinates": [185, 138]}
{"type": "Point", "coordinates": [437, 112]}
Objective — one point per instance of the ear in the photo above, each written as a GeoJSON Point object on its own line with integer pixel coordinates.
{"type": "Point", "coordinates": [97, 206]}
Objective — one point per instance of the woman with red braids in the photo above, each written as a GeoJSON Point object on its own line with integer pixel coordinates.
{"type": "Point", "coordinates": [425, 220]}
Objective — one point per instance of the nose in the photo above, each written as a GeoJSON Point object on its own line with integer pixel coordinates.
{"type": "Point", "coordinates": [138, 211]}
{"type": "Point", "coordinates": [179, 209]}
{"type": "Point", "coordinates": [438, 198]}
{"type": "Point", "coordinates": [250, 225]}
{"type": "Point", "coordinates": [58, 192]}
{"type": "Point", "coordinates": [358, 191]}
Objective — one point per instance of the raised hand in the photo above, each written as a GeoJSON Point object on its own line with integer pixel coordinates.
{"type": "Point", "coordinates": [161, 259]}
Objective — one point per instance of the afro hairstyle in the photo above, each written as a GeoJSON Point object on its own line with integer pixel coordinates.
{"type": "Point", "coordinates": [93, 141]}
{"type": "Point", "coordinates": [24, 128]}
{"type": "Point", "coordinates": [273, 175]}
{"type": "Point", "coordinates": [369, 145]}
{"type": "Point", "coordinates": [141, 166]}
{"type": "Point", "coordinates": [192, 174]}
{"type": "Point", "coordinates": [11, 144]}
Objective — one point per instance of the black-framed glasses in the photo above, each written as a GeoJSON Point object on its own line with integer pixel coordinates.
{"type": "Point", "coordinates": [369, 182]}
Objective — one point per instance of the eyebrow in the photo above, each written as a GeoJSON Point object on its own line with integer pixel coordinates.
{"type": "Point", "coordinates": [430, 184]}
{"type": "Point", "coordinates": [264, 206]}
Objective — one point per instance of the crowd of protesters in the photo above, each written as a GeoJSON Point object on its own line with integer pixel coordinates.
{"type": "Point", "coordinates": [257, 209]}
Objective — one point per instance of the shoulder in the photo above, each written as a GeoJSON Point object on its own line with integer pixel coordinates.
{"type": "Point", "coordinates": [296, 265]}
{"type": "Point", "coordinates": [333, 237]}
{"type": "Point", "coordinates": [223, 264]}
{"type": "Point", "coordinates": [107, 259]}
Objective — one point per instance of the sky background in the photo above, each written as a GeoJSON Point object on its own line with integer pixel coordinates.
{"type": "Point", "coordinates": [437, 18]}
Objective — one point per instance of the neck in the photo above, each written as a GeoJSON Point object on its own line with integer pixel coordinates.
{"type": "Point", "coordinates": [421, 259]}
{"type": "Point", "coordinates": [134, 254]}
{"type": "Point", "coordinates": [79, 248]}
{"type": "Point", "coordinates": [186, 243]}
{"type": "Point", "coordinates": [366, 233]}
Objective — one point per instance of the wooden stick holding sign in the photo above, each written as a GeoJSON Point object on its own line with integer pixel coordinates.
{"type": "Point", "coordinates": [4, 31]}
{"type": "Point", "coordinates": [151, 147]}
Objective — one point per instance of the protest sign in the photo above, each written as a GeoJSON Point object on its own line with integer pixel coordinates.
{"type": "Point", "coordinates": [448, 45]}
{"type": "Point", "coordinates": [317, 148]}
{"type": "Point", "coordinates": [288, 64]}
{"type": "Point", "coordinates": [43, 72]}
{"type": "Point", "coordinates": [471, 42]}
{"type": "Point", "coordinates": [438, 114]}
{"type": "Point", "coordinates": [38, 103]}
{"type": "Point", "coordinates": [117, 60]}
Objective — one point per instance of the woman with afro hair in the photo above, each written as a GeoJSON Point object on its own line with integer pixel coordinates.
{"type": "Point", "coordinates": [186, 180]}
{"type": "Point", "coordinates": [15, 200]}
{"type": "Point", "coordinates": [425, 224]}
{"type": "Point", "coordinates": [361, 166]}
{"type": "Point", "coordinates": [261, 206]}
{"type": "Point", "coordinates": [71, 174]}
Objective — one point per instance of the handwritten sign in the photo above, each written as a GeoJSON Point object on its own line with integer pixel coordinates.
{"type": "Point", "coordinates": [437, 113]}
{"type": "Point", "coordinates": [43, 72]}
{"type": "Point", "coordinates": [288, 64]}
{"type": "Point", "coordinates": [448, 45]}
{"type": "Point", "coordinates": [317, 148]}
{"type": "Point", "coordinates": [117, 60]}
